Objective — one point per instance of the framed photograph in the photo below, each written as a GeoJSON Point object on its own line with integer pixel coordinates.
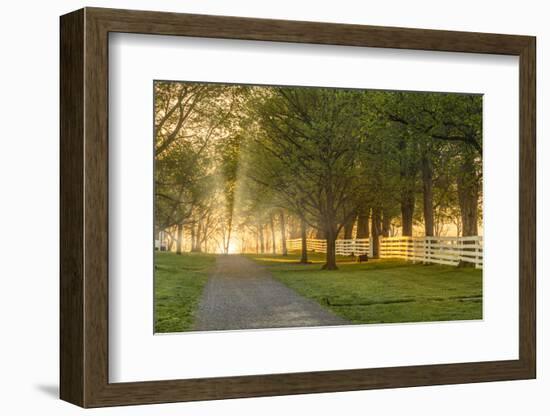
{"type": "Point", "coordinates": [255, 207]}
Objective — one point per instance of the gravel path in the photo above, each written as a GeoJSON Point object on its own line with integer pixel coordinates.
{"type": "Point", "coordinates": [241, 294]}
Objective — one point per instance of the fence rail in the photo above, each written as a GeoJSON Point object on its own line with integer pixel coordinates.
{"type": "Point", "coordinates": [440, 250]}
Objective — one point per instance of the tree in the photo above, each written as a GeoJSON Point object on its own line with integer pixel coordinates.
{"type": "Point", "coordinates": [191, 120]}
{"type": "Point", "coordinates": [282, 223]}
{"type": "Point", "coordinates": [313, 138]}
{"type": "Point", "coordinates": [440, 123]}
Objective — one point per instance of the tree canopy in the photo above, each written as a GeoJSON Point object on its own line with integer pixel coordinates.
{"type": "Point", "coordinates": [243, 168]}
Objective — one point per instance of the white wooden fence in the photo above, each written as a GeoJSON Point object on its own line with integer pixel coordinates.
{"type": "Point", "coordinates": [441, 250]}
{"type": "Point", "coordinates": [343, 247]}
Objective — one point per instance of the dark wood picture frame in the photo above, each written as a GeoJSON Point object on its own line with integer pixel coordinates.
{"type": "Point", "coordinates": [84, 207]}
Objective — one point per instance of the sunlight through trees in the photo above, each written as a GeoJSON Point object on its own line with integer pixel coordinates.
{"type": "Point", "coordinates": [244, 168]}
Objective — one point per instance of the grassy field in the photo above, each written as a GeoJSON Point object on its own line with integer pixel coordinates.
{"type": "Point", "coordinates": [179, 281]}
{"type": "Point", "coordinates": [383, 291]}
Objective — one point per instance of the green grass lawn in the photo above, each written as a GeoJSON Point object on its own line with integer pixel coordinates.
{"type": "Point", "coordinates": [179, 281]}
{"type": "Point", "coordinates": [383, 291]}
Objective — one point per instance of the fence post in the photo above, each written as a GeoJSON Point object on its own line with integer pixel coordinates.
{"type": "Point", "coordinates": [476, 257]}
{"type": "Point", "coordinates": [460, 251]}
{"type": "Point", "coordinates": [428, 250]}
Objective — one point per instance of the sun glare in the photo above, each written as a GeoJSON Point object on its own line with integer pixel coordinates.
{"type": "Point", "coordinates": [233, 247]}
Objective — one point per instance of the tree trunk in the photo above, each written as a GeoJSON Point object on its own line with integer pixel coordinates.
{"type": "Point", "coordinates": [407, 211]}
{"type": "Point", "coordinates": [331, 249]}
{"type": "Point", "coordinates": [205, 237]}
{"type": "Point", "coordinates": [273, 240]}
{"type": "Point", "coordinates": [179, 238]}
{"type": "Point", "coordinates": [197, 241]}
{"type": "Point", "coordinates": [192, 235]}
{"type": "Point", "coordinates": [261, 234]}
{"type": "Point", "coordinates": [468, 196]}
{"type": "Point", "coordinates": [427, 187]}
{"type": "Point", "coordinates": [303, 233]}
{"type": "Point", "coordinates": [283, 233]}
{"type": "Point", "coordinates": [363, 224]}
{"type": "Point", "coordinates": [199, 236]}
{"type": "Point", "coordinates": [244, 246]}
{"type": "Point", "coordinates": [376, 228]}
{"type": "Point", "coordinates": [229, 229]}
{"type": "Point", "coordinates": [408, 171]}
